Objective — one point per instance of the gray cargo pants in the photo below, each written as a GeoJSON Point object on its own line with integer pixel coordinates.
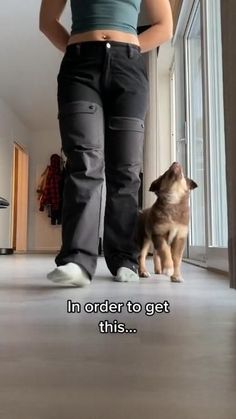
{"type": "Point", "coordinates": [102, 101]}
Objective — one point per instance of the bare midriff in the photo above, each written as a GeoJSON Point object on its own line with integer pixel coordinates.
{"type": "Point", "coordinates": [104, 35]}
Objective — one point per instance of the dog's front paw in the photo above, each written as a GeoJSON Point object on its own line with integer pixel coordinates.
{"type": "Point", "coordinates": [144, 274]}
{"type": "Point", "coordinates": [176, 278]}
{"type": "Point", "coordinates": [168, 271]}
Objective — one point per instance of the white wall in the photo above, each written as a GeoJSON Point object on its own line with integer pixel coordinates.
{"type": "Point", "coordinates": [150, 169]}
{"type": "Point", "coordinates": [164, 120]}
{"type": "Point", "coordinates": [157, 147]}
{"type": "Point", "coordinates": [42, 236]}
{"type": "Point", "coordinates": [39, 145]}
{"type": "Point", "coordinates": [11, 129]}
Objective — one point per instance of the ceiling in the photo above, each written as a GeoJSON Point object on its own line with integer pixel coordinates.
{"type": "Point", "coordinates": [29, 64]}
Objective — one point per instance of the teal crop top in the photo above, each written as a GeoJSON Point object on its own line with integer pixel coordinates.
{"type": "Point", "coordinates": [104, 14]}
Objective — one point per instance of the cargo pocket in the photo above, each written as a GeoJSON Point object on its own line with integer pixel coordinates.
{"type": "Point", "coordinates": [81, 125]}
{"type": "Point", "coordinates": [124, 141]}
{"type": "Point", "coordinates": [123, 123]}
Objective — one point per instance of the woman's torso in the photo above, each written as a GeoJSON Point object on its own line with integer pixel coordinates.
{"type": "Point", "coordinates": [104, 20]}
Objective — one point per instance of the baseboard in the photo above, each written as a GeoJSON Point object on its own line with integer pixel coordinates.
{"type": "Point", "coordinates": [42, 251]}
{"type": "Point", "coordinates": [198, 263]}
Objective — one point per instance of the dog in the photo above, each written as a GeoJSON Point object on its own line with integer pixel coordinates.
{"type": "Point", "coordinates": [165, 224]}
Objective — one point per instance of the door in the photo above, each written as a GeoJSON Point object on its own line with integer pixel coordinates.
{"type": "Point", "coordinates": [19, 199]}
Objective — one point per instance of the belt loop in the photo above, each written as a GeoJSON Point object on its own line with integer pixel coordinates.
{"type": "Point", "coordinates": [78, 49]}
{"type": "Point", "coordinates": [130, 51]}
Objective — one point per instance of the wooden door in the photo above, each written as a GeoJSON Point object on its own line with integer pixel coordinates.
{"type": "Point", "coordinates": [20, 199]}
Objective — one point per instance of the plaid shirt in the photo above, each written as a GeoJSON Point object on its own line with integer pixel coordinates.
{"type": "Point", "coordinates": [52, 192]}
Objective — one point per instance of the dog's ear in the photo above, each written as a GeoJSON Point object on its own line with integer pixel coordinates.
{"type": "Point", "coordinates": [155, 186]}
{"type": "Point", "coordinates": [191, 184]}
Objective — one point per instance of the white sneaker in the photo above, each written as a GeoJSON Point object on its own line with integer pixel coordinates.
{"type": "Point", "coordinates": [70, 274]}
{"type": "Point", "coordinates": [126, 275]}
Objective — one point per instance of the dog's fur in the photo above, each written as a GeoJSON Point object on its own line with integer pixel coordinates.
{"type": "Point", "coordinates": [165, 224]}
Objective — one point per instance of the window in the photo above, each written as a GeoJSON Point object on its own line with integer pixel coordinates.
{"type": "Point", "coordinates": [195, 134]}
{"type": "Point", "coordinates": [199, 120]}
{"type": "Point", "coordinates": [218, 229]}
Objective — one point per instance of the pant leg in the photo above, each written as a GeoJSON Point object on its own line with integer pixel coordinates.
{"type": "Point", "coordinates": [81, 124]}
{"type": "Point", "coordinates": [124, 156]}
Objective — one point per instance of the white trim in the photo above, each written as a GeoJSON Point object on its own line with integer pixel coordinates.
{"type": "Point", "coordinates": [172, 113]}
{"type": "Point", "coordinates": [44, 250]}
{"type": "Point", "coordinates": [151, 143]}
{"type": "Point", "coordinates": [184, 14]}
{"type": "Point", "coordinates": [195, 252]}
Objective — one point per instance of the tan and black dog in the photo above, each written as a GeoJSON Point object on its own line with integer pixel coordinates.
{"type": "Point", "coordinates": [165, 224]}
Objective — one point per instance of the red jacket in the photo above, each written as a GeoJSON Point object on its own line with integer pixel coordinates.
{"type": "Point", "coordinates": [51, 193]}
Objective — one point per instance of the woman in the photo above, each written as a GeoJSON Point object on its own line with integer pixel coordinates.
{"type": "Point", "coordinates": [102, 101]}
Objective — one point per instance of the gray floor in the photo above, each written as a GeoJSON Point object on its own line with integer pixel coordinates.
{"type": "Point", "coordinates": [180, 365]}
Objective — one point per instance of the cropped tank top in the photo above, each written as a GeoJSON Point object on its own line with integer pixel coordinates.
{"type": "Point", "coordinates": [104, 14]}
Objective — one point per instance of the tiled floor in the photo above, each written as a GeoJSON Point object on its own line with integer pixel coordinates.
{"type": "Point", "coordinates": [54, 365]}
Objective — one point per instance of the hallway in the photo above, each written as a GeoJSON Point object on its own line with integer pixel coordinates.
{"type": "Point", "coordinates": [179, 365]}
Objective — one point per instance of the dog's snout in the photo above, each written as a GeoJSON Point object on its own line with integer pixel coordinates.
{"type": "Point", "coordinates": [176, 168]}
{"type": "Point", "coordinates": [176, 164]}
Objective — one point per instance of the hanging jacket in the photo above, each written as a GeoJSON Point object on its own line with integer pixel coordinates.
{"type": "Point", "coordinates": [52, 191]}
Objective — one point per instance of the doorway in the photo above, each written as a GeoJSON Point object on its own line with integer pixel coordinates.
{"type": "Point", "coordinates": [20, 198]}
